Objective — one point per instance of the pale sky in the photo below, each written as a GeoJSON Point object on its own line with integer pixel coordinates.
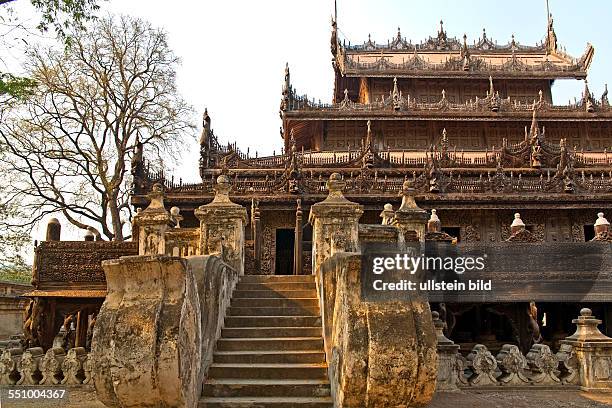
{"type": "Point", "coordinates": [234, 52]}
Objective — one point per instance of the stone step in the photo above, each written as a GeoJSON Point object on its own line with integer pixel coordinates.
{"type": "Point", "coordinates": [264, 357]}
{"type": "Point", "coordinates": [276, 286]}
{"type": "Point", "coordinates": [270, 344]}
{"type": "Point", "coordinates": [236, 387]}
{"type": "Point", "coordinates": [277, 278]}
{"type": "Point", "coordinates": [283, 303]}
{"type": "Point", "coordinates": [267, 293]}
{"type": "Point", "coordinates": [273, 321]}
{"type": "Point", "coordinates": [273, 311]}
{"type": "Point", "coordinates": [312, 371]}
{"type": "Point", "coordinates": [266, 402]}
{"type": "Point", "coordinates": [249, 332]}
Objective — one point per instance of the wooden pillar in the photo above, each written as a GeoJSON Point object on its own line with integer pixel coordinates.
{"type": "Point", "coordinates": [81, 328]}
{"type": "Point", "coordinates": [256, 232]}
{"type": "Point", "coordinates": [297, 247]}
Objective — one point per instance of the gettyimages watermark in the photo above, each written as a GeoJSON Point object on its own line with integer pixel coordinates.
{"type": "Point", "coordinates": [445, 272]}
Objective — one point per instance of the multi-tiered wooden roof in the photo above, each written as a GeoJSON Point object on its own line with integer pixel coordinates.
{"type": "Point", "coordinates": [532, 165]}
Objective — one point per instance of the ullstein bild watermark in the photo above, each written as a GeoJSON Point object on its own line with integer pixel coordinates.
{"type": "Point", "coordinates": [483, 272]}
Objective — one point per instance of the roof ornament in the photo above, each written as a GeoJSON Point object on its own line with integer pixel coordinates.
{"type": "Point", "coordinates": [494, 99]}
{"type": "Point", "coordinates": [204, 138]}
{"type": "Point", "coordinates": [551, 37]}
{"type": "Point", "coordinates": [396, 96]}
{"type": "Point", "coordinates": [334, 35]}
{"type": "Point", "coordinates": [513, 44]}
{"type": "Point", "coordinates": [587, 98]}
{"type": "Point", "coordinates": [442, 39]}
{"type": "Point", "coordinates": [287, 90]}
{"type": "Point", "coordinates": [534, 130]}
{"type": "Point", "coordinates": [604, 97]}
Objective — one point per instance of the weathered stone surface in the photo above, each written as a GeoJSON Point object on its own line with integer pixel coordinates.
{"type": "Point", "coordinates": [335, 223]}
{"type": "Point", "coordinates": [448, 356]}
{"type": "Point", "coordinates": [222, 225]}
{"type": "Point", "coordinates": [51, 366]}
{"type": "Point", "coordinates": [593, 350]}
{"type": "Point", "coordinates": [483, 366]}
{"type": "Point", "coordinates": [380, 354]}
{"type": "Point", "coordinates": [152, 223]}
{"type": "Point", "coordinates": [156, 329]}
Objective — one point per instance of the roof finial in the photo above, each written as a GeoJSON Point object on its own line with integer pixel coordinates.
{"type": "Point", "coordinates": [551, 37]}
{"type": "Point", "coordinates": [441, 26]}
{"type": "Point", "coordinates": [535, 129]}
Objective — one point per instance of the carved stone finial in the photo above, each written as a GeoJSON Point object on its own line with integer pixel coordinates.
{"type": "Point", "coordinates": [586, 328]}
{"type": "Point", "coordinates": [407, 194]}
{"type": "Point", "coordinates": [89, 236]}
{"type": "Point", "coordinates": [175, 213]}
{"type": "Point", "coordinates": [222, 189]}
{"type": "Point", "coordinates": [335, 185]}
{"type": "Point", "coordinates": [439, 327]}
{"type": "Point", "coordinates": [517, 224]}
{"type": "Point", "coordinates": [602, 229]}
{"type": "Point", "coordinates": [434, 224]}
{"type": "Point", "coordinates": [604, 97]}
{"type": "Point", "coordinates": [387, 214]}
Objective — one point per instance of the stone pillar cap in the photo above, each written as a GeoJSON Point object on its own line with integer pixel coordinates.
{"type": "Point", "coordinates": [56, 221]}
{"type": "Point", "coordinates": [586, 328]}
{"type": "Point", "coordinates": [517, 222]}
{"type": "Point", "coordinates": [601, 220]}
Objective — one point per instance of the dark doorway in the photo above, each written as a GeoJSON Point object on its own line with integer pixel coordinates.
{"type": "Point", "coordinates": [589, 232]}
{"type": "Point", "coordinates": [454, 232]}
{"type": "Point", "coordinates": [285, 241]}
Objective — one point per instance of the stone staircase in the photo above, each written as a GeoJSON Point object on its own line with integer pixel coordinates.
{"type": "Point", "coordinates": [270, 353]}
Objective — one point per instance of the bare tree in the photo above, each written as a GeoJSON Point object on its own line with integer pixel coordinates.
{"type": "Point", "coordinates": [69, 145]}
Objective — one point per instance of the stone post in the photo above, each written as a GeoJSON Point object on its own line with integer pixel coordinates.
{"type": "Point", "coordinates": [335, 223]}
{"type": "Point", "coordinates": [593, 351]}
{"type": "Point", "coordinates": [297, 245]}
{"type": "Point", "coordinates": [152, 224]}
{"type": "Point", "coordinates": [447, 357]}
{"type": "Point", "coordinates": [54, 230]}
{"type": "Point", "coordinates": [222, 224]}
{"type": "Point", "coordinates": [410, 217]}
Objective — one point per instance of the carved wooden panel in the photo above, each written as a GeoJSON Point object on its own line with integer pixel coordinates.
{"type": "Point", "coordinates": [76, 262]}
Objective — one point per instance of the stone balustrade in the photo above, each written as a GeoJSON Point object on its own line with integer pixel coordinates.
{"type": "Point", "coordinates": [583, 361]}
{"type": "Point", "coordinates": [54, 368]}
{"type": "Point", "coordinates": [379, 353]}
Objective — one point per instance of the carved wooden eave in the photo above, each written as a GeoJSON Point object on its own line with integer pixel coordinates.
{"type": "Point", "coordinates": [441, 56]}
{"type": "Point", "coordinates": [489, 107]}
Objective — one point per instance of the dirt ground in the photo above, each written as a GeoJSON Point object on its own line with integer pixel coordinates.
{"type": "Point", "coordinates": [86, 398]}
